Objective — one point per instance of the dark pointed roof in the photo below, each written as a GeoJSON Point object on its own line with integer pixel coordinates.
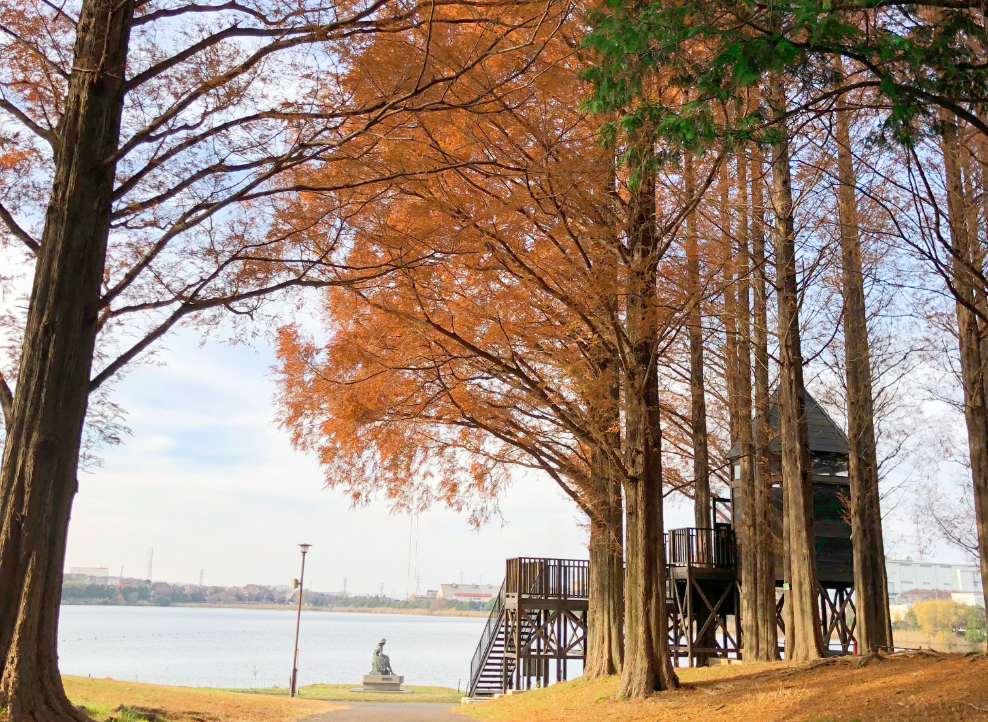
{"type": "Point", "coordinates": [825, 436]}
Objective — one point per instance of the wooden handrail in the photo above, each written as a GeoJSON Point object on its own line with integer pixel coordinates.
{"type": "Point", "coordinates": [698, 547]}
{"type": "Point", "coordinates": [548, 578]}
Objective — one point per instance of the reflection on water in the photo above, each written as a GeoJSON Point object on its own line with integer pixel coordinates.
{"type": "Point", "coordinates": [211, 647]}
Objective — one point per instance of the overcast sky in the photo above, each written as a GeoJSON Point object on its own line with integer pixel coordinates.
{"type": "Point", "coordinates": [210, 483]}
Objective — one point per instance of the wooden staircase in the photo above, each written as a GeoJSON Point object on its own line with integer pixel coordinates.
{"type": "Point", "coordinates": [538, 618]}
{"type": "Point", "coordinates": [493, 667]}
{"type": "Point", "coordinates": [489, 669]}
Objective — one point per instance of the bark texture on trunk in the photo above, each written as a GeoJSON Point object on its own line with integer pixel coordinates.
{"type": "Point", "coordinates": [703, 513]}
{"type": "Point", "coordinates": [765, 514]}
{"type": "Point", "coordinates": [605, 624]}
{"type": "Point", "coordinates": [605, 633]}
{"type": "Point", "coordinates": [647, 666]}
{"type": "Point", "coordinates": [605, 640]}
{"type": "Point", "coordinates": [749, 547]}
{"type": "Point", "coordinates": [729, 316]}
{"type": "Point", "coordinates": [38, 476]}
{"type": "Point", "coordinates": [874, 623]}
{"type": "Point", "coordinates": [804, 638]}
{"type": "Point", "coordinates": [970, 334]}
{"type": "Point", "coordinates": [702, 503]}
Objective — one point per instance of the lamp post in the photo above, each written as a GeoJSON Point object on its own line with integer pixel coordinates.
{"type": "Point", "coordinates": [298, 621]}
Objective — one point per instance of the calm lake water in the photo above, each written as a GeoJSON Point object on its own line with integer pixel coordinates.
{"type": "Point", "coordinates": [203, 647]}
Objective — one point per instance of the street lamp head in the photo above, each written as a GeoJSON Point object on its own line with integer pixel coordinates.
{"type": "Point", "coordinates": [304, 547]}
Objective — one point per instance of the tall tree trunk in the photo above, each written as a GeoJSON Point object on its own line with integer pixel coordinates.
{"type": "Point", "coordinates": [38, 476]}
{"type": "Point", "coordinates": [874, 624]}
{"type": "Point", "coordinates": [605, 625]}
{"type": "Point", "coordinates": [702, 503]}
{"type": "Point", "coordinates": [804, 638]}
{"type": "Point", "coordinates": [605, 642]}
{"type": "Point", "coordinates": [729, 316]}
{"type": "Point", "coordinates": [703, 512]}
{"type": "Point", "coordinates": [647, 666]}
{"type": "Point", "coordinates": [978, 247]}
{"type": "Point", "coordinates": [750, 549]}
{"type": "Point", "coordinates": [969, 336]}
{"type": "Point", "coordinates": [41, 454]}
{"type": "Point", "coordinates": [765, 513]}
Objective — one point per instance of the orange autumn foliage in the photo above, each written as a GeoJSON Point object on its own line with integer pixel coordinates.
{"type": "Point", "coordinates": [500, 339]}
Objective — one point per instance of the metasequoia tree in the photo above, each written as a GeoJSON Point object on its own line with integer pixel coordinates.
{"type": "Point", "coordinates": [623, 75]}
{"type": "Point", "coordinates": [940, 220]}
{"type": "Point", "coordinates": [512, 330]}
{"type": "Point", "coordinates": [736, 225]}
{"type": "Point", "coordinates": [506, 328]}
{"type": "Point", "coordinates": [702, 503]}
{"type": "Point", "coordinates": [734, 232]}
{"type": "Point", "coordinates": [874, 623]}
{"type": "Point", "coordinates": [152, 138]}
{"type": "Point", "coordinates": [752, 547]}
{"type": "Point", "coordinates": [919, 62]}
{"type": "Point", "coordinates": [647, 665]}
{"type": "Point", "coordinates": [764, 506]}
{"type": "Point", "coordinates": [967, 282]}
{"type": "Point", "coordinates": [804, 640]}
{"type": "Point", "coordinates": [455, 372]}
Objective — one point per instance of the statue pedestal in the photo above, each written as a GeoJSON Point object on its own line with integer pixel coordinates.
{"type": "Point", "coordinates": [390, 683]}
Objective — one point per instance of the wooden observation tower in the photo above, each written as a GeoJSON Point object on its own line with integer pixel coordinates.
{"type": "Point", "coordinates": [539, 621]}
{"type": "Point", "coordinates": [704, 569]}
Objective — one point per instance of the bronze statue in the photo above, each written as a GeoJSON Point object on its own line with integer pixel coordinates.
{"type": "Point", "coordinates": [380, 664]}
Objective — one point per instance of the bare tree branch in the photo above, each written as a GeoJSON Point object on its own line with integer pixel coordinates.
{"type": "Point", "coordinates": [33, 245]}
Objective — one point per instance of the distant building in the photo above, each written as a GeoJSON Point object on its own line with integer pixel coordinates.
{"type": "Point", "coordinates": [972, 599]}
{"type": "Point", "coordinates": [91, 575]}
{"type": "Point", "coordinates": [908, 577]}
{"type": "Point", "coordinates": [898, 612]}
{"type": "Point", "coordinates": [428, 596]}
{"type": "Point", "coordinates": [90, 571]}
{"type": "Point", "coordinates": [467, 592]}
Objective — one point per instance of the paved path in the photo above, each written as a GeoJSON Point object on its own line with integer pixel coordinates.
{"type": "Point", "coordinates": [390, 712]}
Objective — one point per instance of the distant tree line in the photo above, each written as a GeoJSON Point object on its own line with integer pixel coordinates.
{"type": "Point", "coordinates": [943, 618]}
{"type": "Point", "coordinates": [164, 594]}
{"type": "Point", "coordinates": [433, 605]}
{"type": "Point", "coordinates": [80, 592]}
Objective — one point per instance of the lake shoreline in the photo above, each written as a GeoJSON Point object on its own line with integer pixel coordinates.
{"type": "Point", "coordinates": [284, 607]}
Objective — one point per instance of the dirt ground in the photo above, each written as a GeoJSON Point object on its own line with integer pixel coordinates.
{"type": "Point", "coordinates": [391, 712]}
{"type": "Point", "coordinates": [342, 693]}
{"type": "Point", "coordinates": [899, 688]}
{"type": "Point", "coordinates": [106, 699]}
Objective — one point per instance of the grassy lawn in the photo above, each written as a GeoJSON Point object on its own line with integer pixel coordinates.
{"type": "Point", "coordinates": [342, 693]}
{"type": "Point", "coordinates": [951, 688]}
{"type": "Point", "coordinates": [106, 699]}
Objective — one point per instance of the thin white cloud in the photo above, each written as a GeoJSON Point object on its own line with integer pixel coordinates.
{"type": "Point", "coordinates": [211, 483]}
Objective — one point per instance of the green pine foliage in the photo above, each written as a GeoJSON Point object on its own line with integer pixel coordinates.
{"type": "Point", "coordinates": [669, 65]}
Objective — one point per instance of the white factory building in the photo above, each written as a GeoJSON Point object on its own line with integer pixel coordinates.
{"type": "Point", "coordinates": [467, 592]}
{"type": "Point", "coordinates": [909, 575]}
{"type": "Point", "coordinates": [97, 575]}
